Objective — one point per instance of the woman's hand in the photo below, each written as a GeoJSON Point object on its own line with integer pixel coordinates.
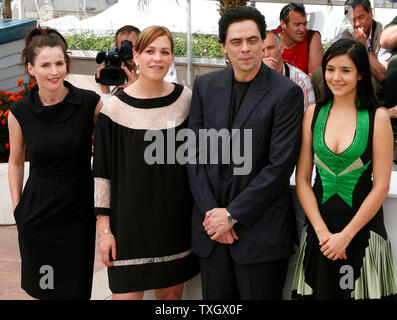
{"type": "Point", "coordinates": [335, 247]}
{"type": "Point", "coordinates": [323, 236]}
{"type": "Point", "coordinates": [107, 243]}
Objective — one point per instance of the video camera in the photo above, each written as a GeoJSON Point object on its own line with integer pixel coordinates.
{"type": "Point", "coordinates": [112, 74]}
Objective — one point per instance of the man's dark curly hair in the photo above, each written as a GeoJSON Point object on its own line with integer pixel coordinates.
{"type": "Point", "coordinates": [241, 13]}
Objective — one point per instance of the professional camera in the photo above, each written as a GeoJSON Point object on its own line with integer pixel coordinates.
{"type": "Point", "coordinates": [112, 74]}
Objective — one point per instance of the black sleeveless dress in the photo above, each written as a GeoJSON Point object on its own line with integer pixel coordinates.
{"type": "Point", "coordinates": [342, 183]}
{"type": "Point", "coordinates": [55, 217]}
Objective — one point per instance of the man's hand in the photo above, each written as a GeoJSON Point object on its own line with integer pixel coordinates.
{"type": "Point", "coordinates": [359, 35]}
{"type": "Point", "coordinates": [392, 112]}
{"type": "Point", "coordinates": [104, 89]}
{"type": "Point", "coordinates": [270, 62]}
{"type": "Point", "coordinates": [132, 76]}
{"type": "Point", "coordinates": [228, 237]}
{"type": "Point", "coordinates": [216, 223]}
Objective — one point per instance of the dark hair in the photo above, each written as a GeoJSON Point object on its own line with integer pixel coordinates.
{"type": "Point", "coordinates": [354, 3]}
{"type": "Point", "coordinates": [359, 55]}
{"type": "Point", "coordinates": [39, 37]}
{"type": "Point", "coordinates": [276, 35]}
{"type": "Point", "coordinates": [241, 13]}
{"type": "Point", "coordinates": [284, 13]}
{"type": "Point", "coordinates": [126, 29]}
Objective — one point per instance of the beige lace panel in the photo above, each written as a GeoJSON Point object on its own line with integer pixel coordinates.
{"type": "Point", "coordinates": [150, 119]}
{"type": "Point", "coordinates": [130, 262]}
{"type": "Point", "coordinates": [102, 193]}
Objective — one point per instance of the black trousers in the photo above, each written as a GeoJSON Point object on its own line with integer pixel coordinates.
{"type": "Point", "coordinates": [223, 279]}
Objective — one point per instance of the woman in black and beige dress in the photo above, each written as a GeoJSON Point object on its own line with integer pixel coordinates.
{"type": "Point", "coordinates": [142, 197]}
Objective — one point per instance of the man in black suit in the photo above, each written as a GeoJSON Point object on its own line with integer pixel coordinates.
{"type": "Point", "coordinates": [243, 225]}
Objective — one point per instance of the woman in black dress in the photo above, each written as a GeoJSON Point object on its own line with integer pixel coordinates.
{"type": "Point", "coordinates": [54, 213]}
{"type": "Point", "coordinates": [142, 196]}
{"type": "Point", "coordinates": [345, 252]}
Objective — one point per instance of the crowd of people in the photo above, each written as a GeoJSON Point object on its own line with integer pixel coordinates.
{"type": "Point", "coordinates": [161, 221]}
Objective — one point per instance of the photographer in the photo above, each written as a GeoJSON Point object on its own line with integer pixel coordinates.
{"type": "Point", "coordinates": [130, 33]}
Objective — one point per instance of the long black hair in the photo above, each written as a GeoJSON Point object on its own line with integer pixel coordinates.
{"type": "Point", "coordinates": [359, 55]}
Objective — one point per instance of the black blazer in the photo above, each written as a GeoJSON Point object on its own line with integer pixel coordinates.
{"type": "Point", "coordinates": [260, 200]}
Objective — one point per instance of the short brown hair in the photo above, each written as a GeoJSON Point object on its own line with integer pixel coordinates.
{"type": "Point", "coordinates": [43, 37]}
{"type": "Point", "coordinates": [148, 35]}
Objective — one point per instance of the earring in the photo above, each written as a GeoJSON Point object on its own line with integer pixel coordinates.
{"type": "Point", "coordinates": [137, 68]}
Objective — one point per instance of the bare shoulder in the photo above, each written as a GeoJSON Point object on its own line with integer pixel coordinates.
{"type": "Point", "coordinates": [382, 116]}
{"type": "Point", "coordinates": [316, 35]}
{"type": "Point", "coordinates": [316, 39]}
{"type": "Point", "coordinates": [309, 112]}
{"type": "Point", "coordinates": [382, 124]}
{"type": "Point", "coordinates": [308, 118]}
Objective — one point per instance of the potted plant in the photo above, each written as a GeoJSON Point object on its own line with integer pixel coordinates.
{"type": "Point", "coordinates": [6, 100]}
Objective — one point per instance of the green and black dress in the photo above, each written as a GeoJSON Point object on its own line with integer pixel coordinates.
{"type": "Point", "coordinates": [342, 183]}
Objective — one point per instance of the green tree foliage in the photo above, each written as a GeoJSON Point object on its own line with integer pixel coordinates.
{"type": "Point", "coordinates": [90, 41]}
{"type": "Point", "coordinates": [203, 45]}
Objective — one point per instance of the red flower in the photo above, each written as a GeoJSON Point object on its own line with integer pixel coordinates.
{"type": "Point", "coordinates": [6, 101]}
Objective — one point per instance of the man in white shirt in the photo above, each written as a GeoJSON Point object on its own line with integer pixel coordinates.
{"type": "Point", "coordinates": [272, 57]}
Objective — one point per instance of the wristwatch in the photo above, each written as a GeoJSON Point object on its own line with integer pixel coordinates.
{"type": "Point", "coordinates": [230, 218]}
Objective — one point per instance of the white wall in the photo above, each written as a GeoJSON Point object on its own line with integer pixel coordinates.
{"type": "Point", "coordinates": [10, 70]}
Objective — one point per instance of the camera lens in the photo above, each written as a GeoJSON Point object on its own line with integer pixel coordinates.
{"type": "Point", "coordinates": [125, 51]}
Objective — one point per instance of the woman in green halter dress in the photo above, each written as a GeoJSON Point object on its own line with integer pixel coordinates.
{"type": "Point", "coordinates": [345, 252]}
